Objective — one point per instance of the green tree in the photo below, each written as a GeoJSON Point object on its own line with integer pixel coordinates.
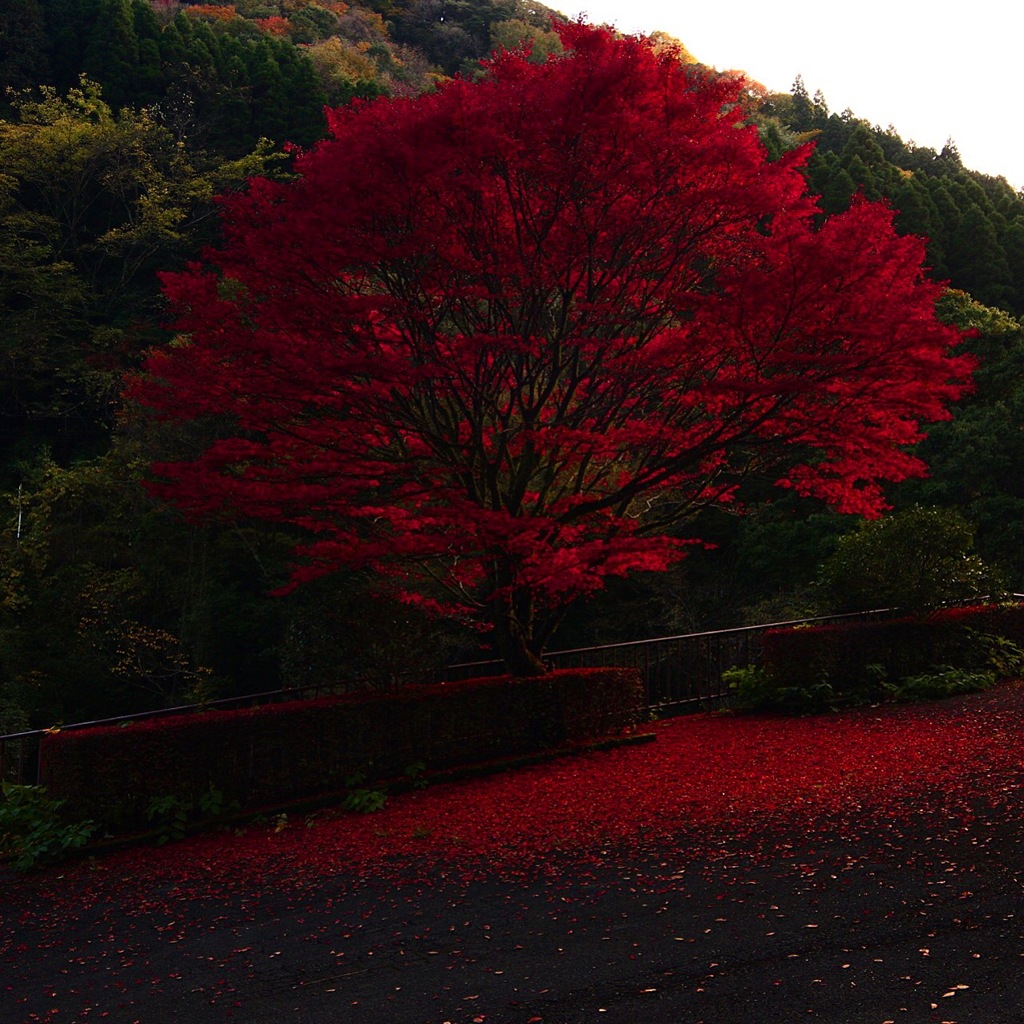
{"type": "Point", "coordinates": [109, 605]}
{"type": "Point", "coordinates": [514, 33]}
{"type": "Point", "coordinates": [69, 24]}
{"type": "Point", "coordinates": [912, 560]}
{"type": "Point", "coordinates": [112, 52]}
{"type": "Point", "coordinates": [917, 214]}
{"type": "Point", "coordinates": [24, 48]}
{"type": "Point", "coordinates": [832, 182]}
{"type": "Point", "coordinates": [92, 204]}
{"type": "Point", "coordinates": [976, 458]}
{"type": "Point", "coordinates": [977, 262]}
{"type": "Point", "coordinates": [42, 305]}
{"type": "Point", "coordinates": [1013, 246]}
{"type": "Point", "coordinates": [801, 111]}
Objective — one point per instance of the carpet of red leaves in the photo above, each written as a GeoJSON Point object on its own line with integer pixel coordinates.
{"type": "Point", "coordinates": [721, 774]}
{"type": "Point", "coordinates": [709, 782]}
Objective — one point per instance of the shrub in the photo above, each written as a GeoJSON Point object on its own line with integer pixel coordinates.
{"type": "Point", "coordinates": [979, 638]}
{"type": "Point", "coordinates": [173, 817]}
{"type": "Point", "coordinates": [913, 559]}
{"type": "Point", "coordinates": [272, 754]}
{"type": "Point", "coordinates": [944, 681]}
{"type": "Point", "coordinates": [757, 689]}
{"type": "Point", "coordinates": [752, 686]}
{"type": "Point", "coordinates": [951, 651]}
{"type": "Point", "coordinates": [33, 830]}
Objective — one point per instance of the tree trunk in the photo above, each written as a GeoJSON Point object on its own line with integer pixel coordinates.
{"type": "Point", "coordinates": [512, 616]}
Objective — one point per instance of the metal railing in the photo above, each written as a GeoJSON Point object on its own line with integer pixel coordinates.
{"type": "Point", "coordinates": [20, 752]}
{"type": "Point", "coordinates": [19, 756]}
{"type": "Point", "coordinates": [679, 673]}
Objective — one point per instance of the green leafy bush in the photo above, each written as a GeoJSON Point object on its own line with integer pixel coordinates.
{"type": "Point", "coordinates": [752, 686]}
{"type": "Point", "coordinates": [757, 689]}
{"type": "Point", "coordinates": [810, 669]}
{"type": "Point", "coordinates": [415, 774]}
{"type": "Point", "coordinates": [362, 798]}
{"type": "Point", "coordinates": [1000, 654]}
{"type": "Point", "coordinates": [173, 817]}
{"type": "Point", "coordinates": [914, 559]}
{"type": "Point", "coordinates": [365, 801]}
{"type": "Point", "coordinates": [33, 831]}
{"type": "Point", "coordinates": [169, 813]}
{"type": "Point", "coordinates": [943, 681]}
{"type": "Point", "coordinates": [854, 657]}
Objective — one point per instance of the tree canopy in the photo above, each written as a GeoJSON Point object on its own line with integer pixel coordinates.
{"type": "Point", "coordinates": [501, 340]}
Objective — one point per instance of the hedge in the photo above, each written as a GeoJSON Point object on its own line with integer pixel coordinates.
{"type": "Point", "coordinates": [841, 653]}
{"type": "Point", "coordinates": [273, 754]}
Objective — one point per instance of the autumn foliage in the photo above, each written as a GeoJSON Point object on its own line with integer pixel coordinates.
{"type": "Point", "coordinates": [275, 753]}
{"type": "Point", "coordinates": [498, 342]}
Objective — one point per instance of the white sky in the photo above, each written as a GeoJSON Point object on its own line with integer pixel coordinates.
{"type": "Point", "coordinates": [933, 70]}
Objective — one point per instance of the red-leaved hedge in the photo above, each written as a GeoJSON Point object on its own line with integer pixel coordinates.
{"type": "Point", "coordinates": [840, 653]}
{"type": "Point", "coordinates": [274, 753]}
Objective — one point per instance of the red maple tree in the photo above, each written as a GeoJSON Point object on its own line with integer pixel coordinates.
{"type": "Point", "coordinates": [498, 342]}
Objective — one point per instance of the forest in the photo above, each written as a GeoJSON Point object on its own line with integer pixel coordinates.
{"type": "Point", "coordinates": [124, 124]}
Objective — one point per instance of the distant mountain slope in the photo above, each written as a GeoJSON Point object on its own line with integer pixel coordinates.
{"type": "Point", "coordinates": [223, 75]}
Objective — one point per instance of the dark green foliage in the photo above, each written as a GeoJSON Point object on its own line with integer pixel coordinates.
{"type": "Point", "coordinates": [173, 818]}
{"type": "Point", "coordinates": [92, 205]}
{"type": "Point", "coordinates": [361, 798]}
{"type": "Point", "coordinates": [337, 631]}
{"type": "Point", "coordinates": [455, 34]}
{"type": "Point", "coordinates": [918, 215]}
{"type": "Point", "coordinates": [833, 182]}
{"type": "Point", "coordinates": [942, 681]}
{"type": "Point", "coordinates": [112, 51]}
{"type": "Point", "coordinates": [977, 261]}
{"type": "Point", "coordinates": [111, 604]}
{"type": "Point", "coordinates": [34, 830]}
{"type": "Point", "coordinates": [952, 652]}
{"type": "Point", "coordinates": [169, 815]}
{"type": "Point", "coordinates": [976, 458]}
{"type": "Point", "coordinates": [914, 559]}
{"type": "Point", "coordinates": [756, 689]}
{"type": "Point", "coordinates": [801, 110]}
{"type": "Point", "coordinates": [970, 219]}
{"type": "Point", "coordinates": [24, 56]}
{"type": "Point", "coordinates": [236, 83]}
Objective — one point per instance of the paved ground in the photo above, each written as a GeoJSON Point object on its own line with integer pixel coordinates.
{"type": "Point", "coordinates": [863, 930]}
{"type": "Point", "coordinates": [914, 914]}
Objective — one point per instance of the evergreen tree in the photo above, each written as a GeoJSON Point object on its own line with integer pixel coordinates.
{"type": "Point", "coordinates": [172, 42]}
{"type": "Point", "coordinates": [304, 97]}
{"type": "Point", "coordinates": [834, 133]}
{"type": "Point", "coordinates": [977, 262]}
{"type": "Point", "coordinates": [802, 115]}
{"type": "Point", "coordinates": [830, 180]}
{"type": "Point", "coordinates": [947, 223]}
{"type": "Point", "coordinates": [149, 79]}
{"type": "Point", "coordinates": [975, 458]}
{"type": "Point", "coordinates": [1013, 245]}
{"type": "Point", "coordinates": [112, 52]}
{"type": "Point", "coordinates": [68, 26]}
{"type": "Point", "coordinates": [917, 215]}
{"type": "Point", "coordinates": [24, 48]}
{"type": "Point", "coordinates": [269, 98]}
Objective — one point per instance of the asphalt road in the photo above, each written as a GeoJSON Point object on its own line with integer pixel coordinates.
{"type": "Point", "coordinates": [913, 918]}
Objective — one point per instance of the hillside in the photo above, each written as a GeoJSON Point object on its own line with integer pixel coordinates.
{"type": "Point", "coordinates": [123, 121]}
